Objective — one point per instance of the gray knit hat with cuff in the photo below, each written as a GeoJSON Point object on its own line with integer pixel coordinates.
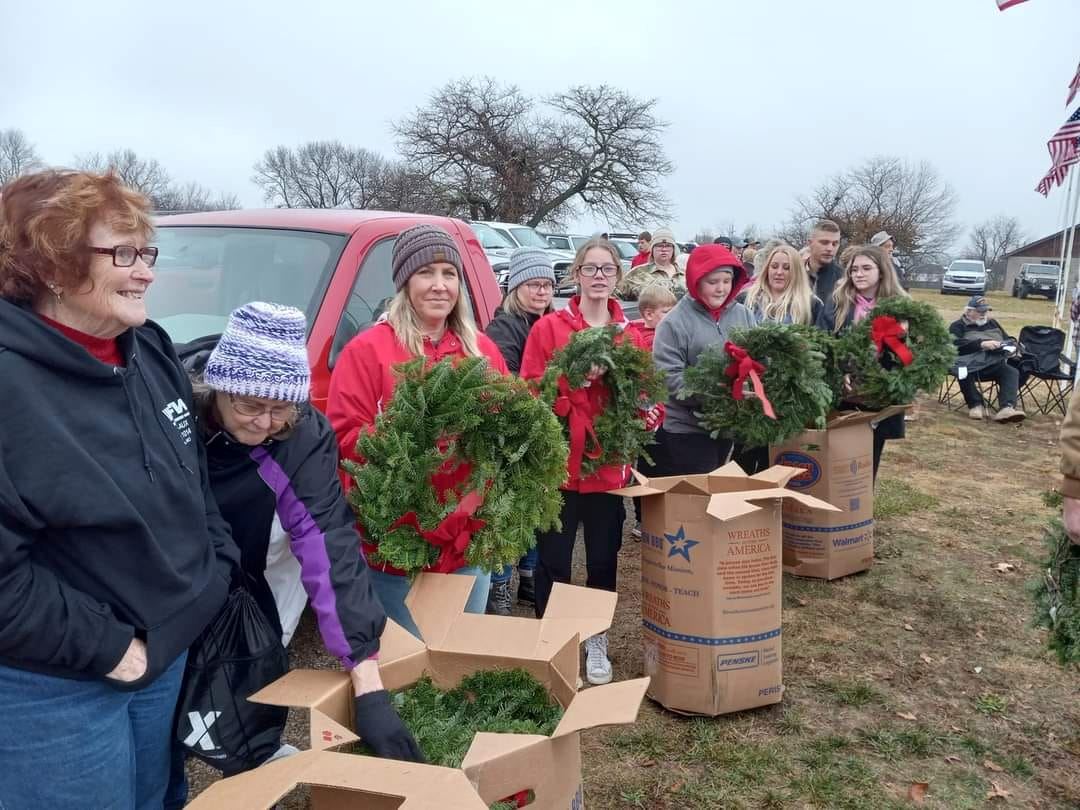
{"type": "Point", "coordinates": [421, 245]}
{"type": "Point", "coordinates": [528, 264]}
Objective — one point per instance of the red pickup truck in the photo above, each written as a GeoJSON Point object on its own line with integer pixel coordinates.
{"type": "Point", "coordinates": [332, 264]}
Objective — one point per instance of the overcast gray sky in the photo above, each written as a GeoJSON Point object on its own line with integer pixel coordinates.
{"type": "Point", "coordinates": [765, 97]}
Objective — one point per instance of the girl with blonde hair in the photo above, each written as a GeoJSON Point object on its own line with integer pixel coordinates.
{"type": "Point", "coordinates": [781, 292]}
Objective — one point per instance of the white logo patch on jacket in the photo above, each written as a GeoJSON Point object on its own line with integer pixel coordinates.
{"type": "Point", "coordinates": [177, 412]}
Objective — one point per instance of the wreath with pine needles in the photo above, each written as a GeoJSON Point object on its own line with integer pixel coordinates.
{"type": "Point", "coordinates": [878, 376]}
{"type": "Point", "coordinates": [793, 380]}
{"type": "Point", "coordinates": [439, 418]}
{"type": "Point", "coordinates": [630, 384]}
{"type": "Point", "coordinates": [1057, 594]}
{"type": "Point", "coordinates": [824, 344]}
{"type": "Point", "coordinates": [497, 701]}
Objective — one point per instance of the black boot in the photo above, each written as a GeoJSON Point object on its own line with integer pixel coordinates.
{"type": "Point", "coordinates": [526, 588]}
{"type": "Point", "coordinates": [499, 601]}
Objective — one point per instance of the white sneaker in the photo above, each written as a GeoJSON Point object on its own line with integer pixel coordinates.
{"type": "Point", "coordinates": [597, 665]}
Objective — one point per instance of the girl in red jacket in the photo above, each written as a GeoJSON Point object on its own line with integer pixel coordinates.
{"type": "Point", "coordinates": [597, 271]}
{"type": "Point", "coordinates": [428, 317]}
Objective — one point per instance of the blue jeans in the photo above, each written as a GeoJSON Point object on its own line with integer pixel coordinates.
{"type": "Point", "coordinates": [392, 590]}
{"type": "Point", "coordinates": [526, 563]}
{"type": "Point", "coordinates": [67, 743]}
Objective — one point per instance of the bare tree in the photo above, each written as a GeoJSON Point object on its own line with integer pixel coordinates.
{"type": "Point", "coordinates": [506, 156]}
{"type": "Point", "coordinates": [992, 239]}
{"type": "Point", "coordinates": [17, 155]}
{"type": "Point", "coordinates": [195, 197]}
{"type": "Point", "coordinates": [144, 175]}
{"type": "Point", "coordinates": [910, 201]}
{"type": "Point", "coordinates": [322, 174]}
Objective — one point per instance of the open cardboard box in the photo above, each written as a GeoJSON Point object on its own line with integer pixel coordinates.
{"type": "Point", "coordinates": [456, 644]}
{"type": "Point", "coordinates": [837, 465]}
{"type": "Point", "coordinates": [711, 586]}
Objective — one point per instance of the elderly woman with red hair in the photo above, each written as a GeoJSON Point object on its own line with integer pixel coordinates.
{"type": "Point", "coordinates": [113, 556]}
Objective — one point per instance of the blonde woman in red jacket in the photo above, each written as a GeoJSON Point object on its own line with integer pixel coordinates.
{"type": "Point", "coordinates": [597, 271]}
{"type": "Point", "coordinates": [430, 318]}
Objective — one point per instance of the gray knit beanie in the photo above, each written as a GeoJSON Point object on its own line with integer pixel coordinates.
{"type": "Point", "coordinates": [420, 245]}
{"type": "Point", "coordinates": [262, 353]}
{"type": "Point", "coordinates": [527, 264]}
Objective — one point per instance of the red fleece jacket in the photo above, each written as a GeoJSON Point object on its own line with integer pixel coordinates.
{"type": "Point", "coordinates": [363, 383]}
{"type": "Point", "coordinates": [550, 334]}
{"type": "Point", "coordinates": [703, 261]}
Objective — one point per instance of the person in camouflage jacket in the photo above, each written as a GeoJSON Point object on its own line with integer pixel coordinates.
{"type": "Point", "coordinates": [663, 269]}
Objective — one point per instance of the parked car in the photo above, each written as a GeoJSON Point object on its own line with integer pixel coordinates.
{"type": "Point", "coordinates": [569, 242]}
{"type": "Point", "coordinates": [525, 236]}
{"type": "Point", "coordinates": [1037, 279]}
{"type": "Point", "coordinates": [498, 248]}
{"type": "Point", "coordinates": [332, 264]}
{"type": "Point", "coordinates": [964, 276]}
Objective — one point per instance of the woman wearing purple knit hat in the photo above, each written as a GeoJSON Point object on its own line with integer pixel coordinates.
{"type": "Point", "coordinates": [273, 461]}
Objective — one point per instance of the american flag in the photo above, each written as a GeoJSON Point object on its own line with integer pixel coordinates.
{"type": "Point", "coordinates": [1062, 144]}
{"type": "Point", "coordinates": [1004, 4]}
{"type": "Point", "coordinates": [1074, 87]}
{"type": "Point", "coordinates": [1056, 175]}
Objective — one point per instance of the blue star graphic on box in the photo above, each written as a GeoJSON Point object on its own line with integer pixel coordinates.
{"type": "Point", "coordinates": [679, 544]}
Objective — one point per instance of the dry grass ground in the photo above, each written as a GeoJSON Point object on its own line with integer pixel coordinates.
{"type": "Point", "coordinates": [924, 669]}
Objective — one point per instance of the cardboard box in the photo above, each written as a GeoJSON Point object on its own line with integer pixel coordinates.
{"type": "Point", "coordinates": [711, 587]}
{"type": "Point", "coordinates": [837, 466]}
{"type": "Point", "coordinates": [458, 644]}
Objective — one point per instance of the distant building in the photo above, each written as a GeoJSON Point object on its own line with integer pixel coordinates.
{"type": "Point", "coordinates": [1042, 251]}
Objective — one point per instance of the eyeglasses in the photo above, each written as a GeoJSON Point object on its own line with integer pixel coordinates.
{"type": "Point", "coordinates": [590, 270]}
{"type": "Point", "coordinates": [125, 255]}
{"type": "Point", "coordinates": [539, 286]}
{"type": "Point", "coordinates": [278, 413]}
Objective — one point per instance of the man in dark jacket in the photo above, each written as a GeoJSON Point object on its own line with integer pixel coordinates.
{"type": "Point", "coordinates": [821, 264]}
{"type": "Point", "coordinates": [985, 349]}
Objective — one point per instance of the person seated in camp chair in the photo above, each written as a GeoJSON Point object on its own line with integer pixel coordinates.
{"type": "Point", "coordinates": [984, 350]}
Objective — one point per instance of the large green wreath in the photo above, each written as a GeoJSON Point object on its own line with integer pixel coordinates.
{"type": "Point", "coordinates": [873, 352]}
{"type": "Point", "coordinates": [1057, 594]}
{"type": "Point", "coordinates": [614, 405]}
{"type": "Point", "coordinates": [414, 479]}
{"type": "Point", "coordinates": [824, 343]}
{"type": "Point", "coordinates": [790, 365]}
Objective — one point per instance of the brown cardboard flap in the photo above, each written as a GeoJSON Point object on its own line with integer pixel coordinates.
{"type": "Point", "coordinates": [730, 505]}
{"type": "Point", "coordinates": [420, 786]}
{"type": "Point", "coordinates": [838, 419]}
{"type": "Point", "coordinates": [487, 747]}
{"type": "Point", "coordinates": [616, 704]}
{"type": "Point", "coordinates": [564, 671]}
{"type": "Point", "coordinates": [639, 491]}
{"type": "Point", "coordinates": [326, 733]}
{"type": "Point", "coordinates": [573, 610]}
{"type": "Point", "coordinates": [397, 642]}
{"type": "Point", "coordinates": [302, 688]}
{"type": "Point", "coordinates": [436, 601]}
{"type": "Point", "coordinates": [778, 475]}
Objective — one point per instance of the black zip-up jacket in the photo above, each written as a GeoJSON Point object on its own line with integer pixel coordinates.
{"type": "Point", "coordinates": [296, 479]}
{"type": "Point", "coordinates": [509, 331]}
{"type": "Point", "coordinates": [825, 283]}
{"type": "Point", "coordinates": [108, 530]}
{"type": "Point", "coordinates": [968, 336]}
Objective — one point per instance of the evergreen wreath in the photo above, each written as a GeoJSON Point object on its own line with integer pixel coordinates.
{"type": "Point", "coordinates": [463, 467]}
{"type": "Point", "coordinates": [790, 368]}
{"type": "Point", "coordinates": [1057, 594]}
{"type": "Point", "coordinates": [497, 701]}
{"type": "Point", "coordinates": [824, 344]}
{"type": "Point", "coordinates": [888, 366]}
{"type": "Point", "coordinates": [603, 418]}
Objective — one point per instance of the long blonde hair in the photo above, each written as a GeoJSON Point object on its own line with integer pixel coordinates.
{"type": "Point", "coordinates": [844, 294]}
{"type": "Point", "coordinates": [795, 301]}
{"type": "Point", "coordinates": [406, 325]}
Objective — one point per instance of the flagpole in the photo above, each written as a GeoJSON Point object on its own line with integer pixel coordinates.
{"type": "Point", "coordinates": [1063, 288]}
{"type": "Point", "coordinates": [1071, 211]}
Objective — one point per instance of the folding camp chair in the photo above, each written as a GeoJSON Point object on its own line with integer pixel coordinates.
{"type": "Point", "coordinates": [1041, 366]}
{"type": "Point", "coordinates": [952, 397]}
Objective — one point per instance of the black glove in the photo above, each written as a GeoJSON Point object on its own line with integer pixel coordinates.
{"type": "Point", "coordinates": [381, 729]}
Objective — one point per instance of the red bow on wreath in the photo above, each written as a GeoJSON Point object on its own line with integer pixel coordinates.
{"type": "Point", "coordinates": [574, 406]}
{"type": "Point", "coordinates": [453, 533]}
{"type": "Point", "coordinates": [886, 331]}
{"type": "Point", "coordinates": [745, 367]}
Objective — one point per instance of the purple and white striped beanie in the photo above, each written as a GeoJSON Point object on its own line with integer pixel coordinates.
{"type": "Point", "coordinates": [262, 353]}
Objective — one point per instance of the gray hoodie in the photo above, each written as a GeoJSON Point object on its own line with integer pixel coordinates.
{"type": "Point", "coordinates": [685, 333]}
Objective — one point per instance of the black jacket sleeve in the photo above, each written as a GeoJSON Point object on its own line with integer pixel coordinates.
{"type": "Point", "coordinates": [511, 341]}
{"type": "Point", "coordinates": [322, 531]}
{"type": "Point", "coordinates": [44, 620]}
{"type": "Point", "coordinates": [826, 317]}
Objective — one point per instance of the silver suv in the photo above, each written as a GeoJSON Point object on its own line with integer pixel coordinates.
{"type": "Point", "coordinates": [964, 276]}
